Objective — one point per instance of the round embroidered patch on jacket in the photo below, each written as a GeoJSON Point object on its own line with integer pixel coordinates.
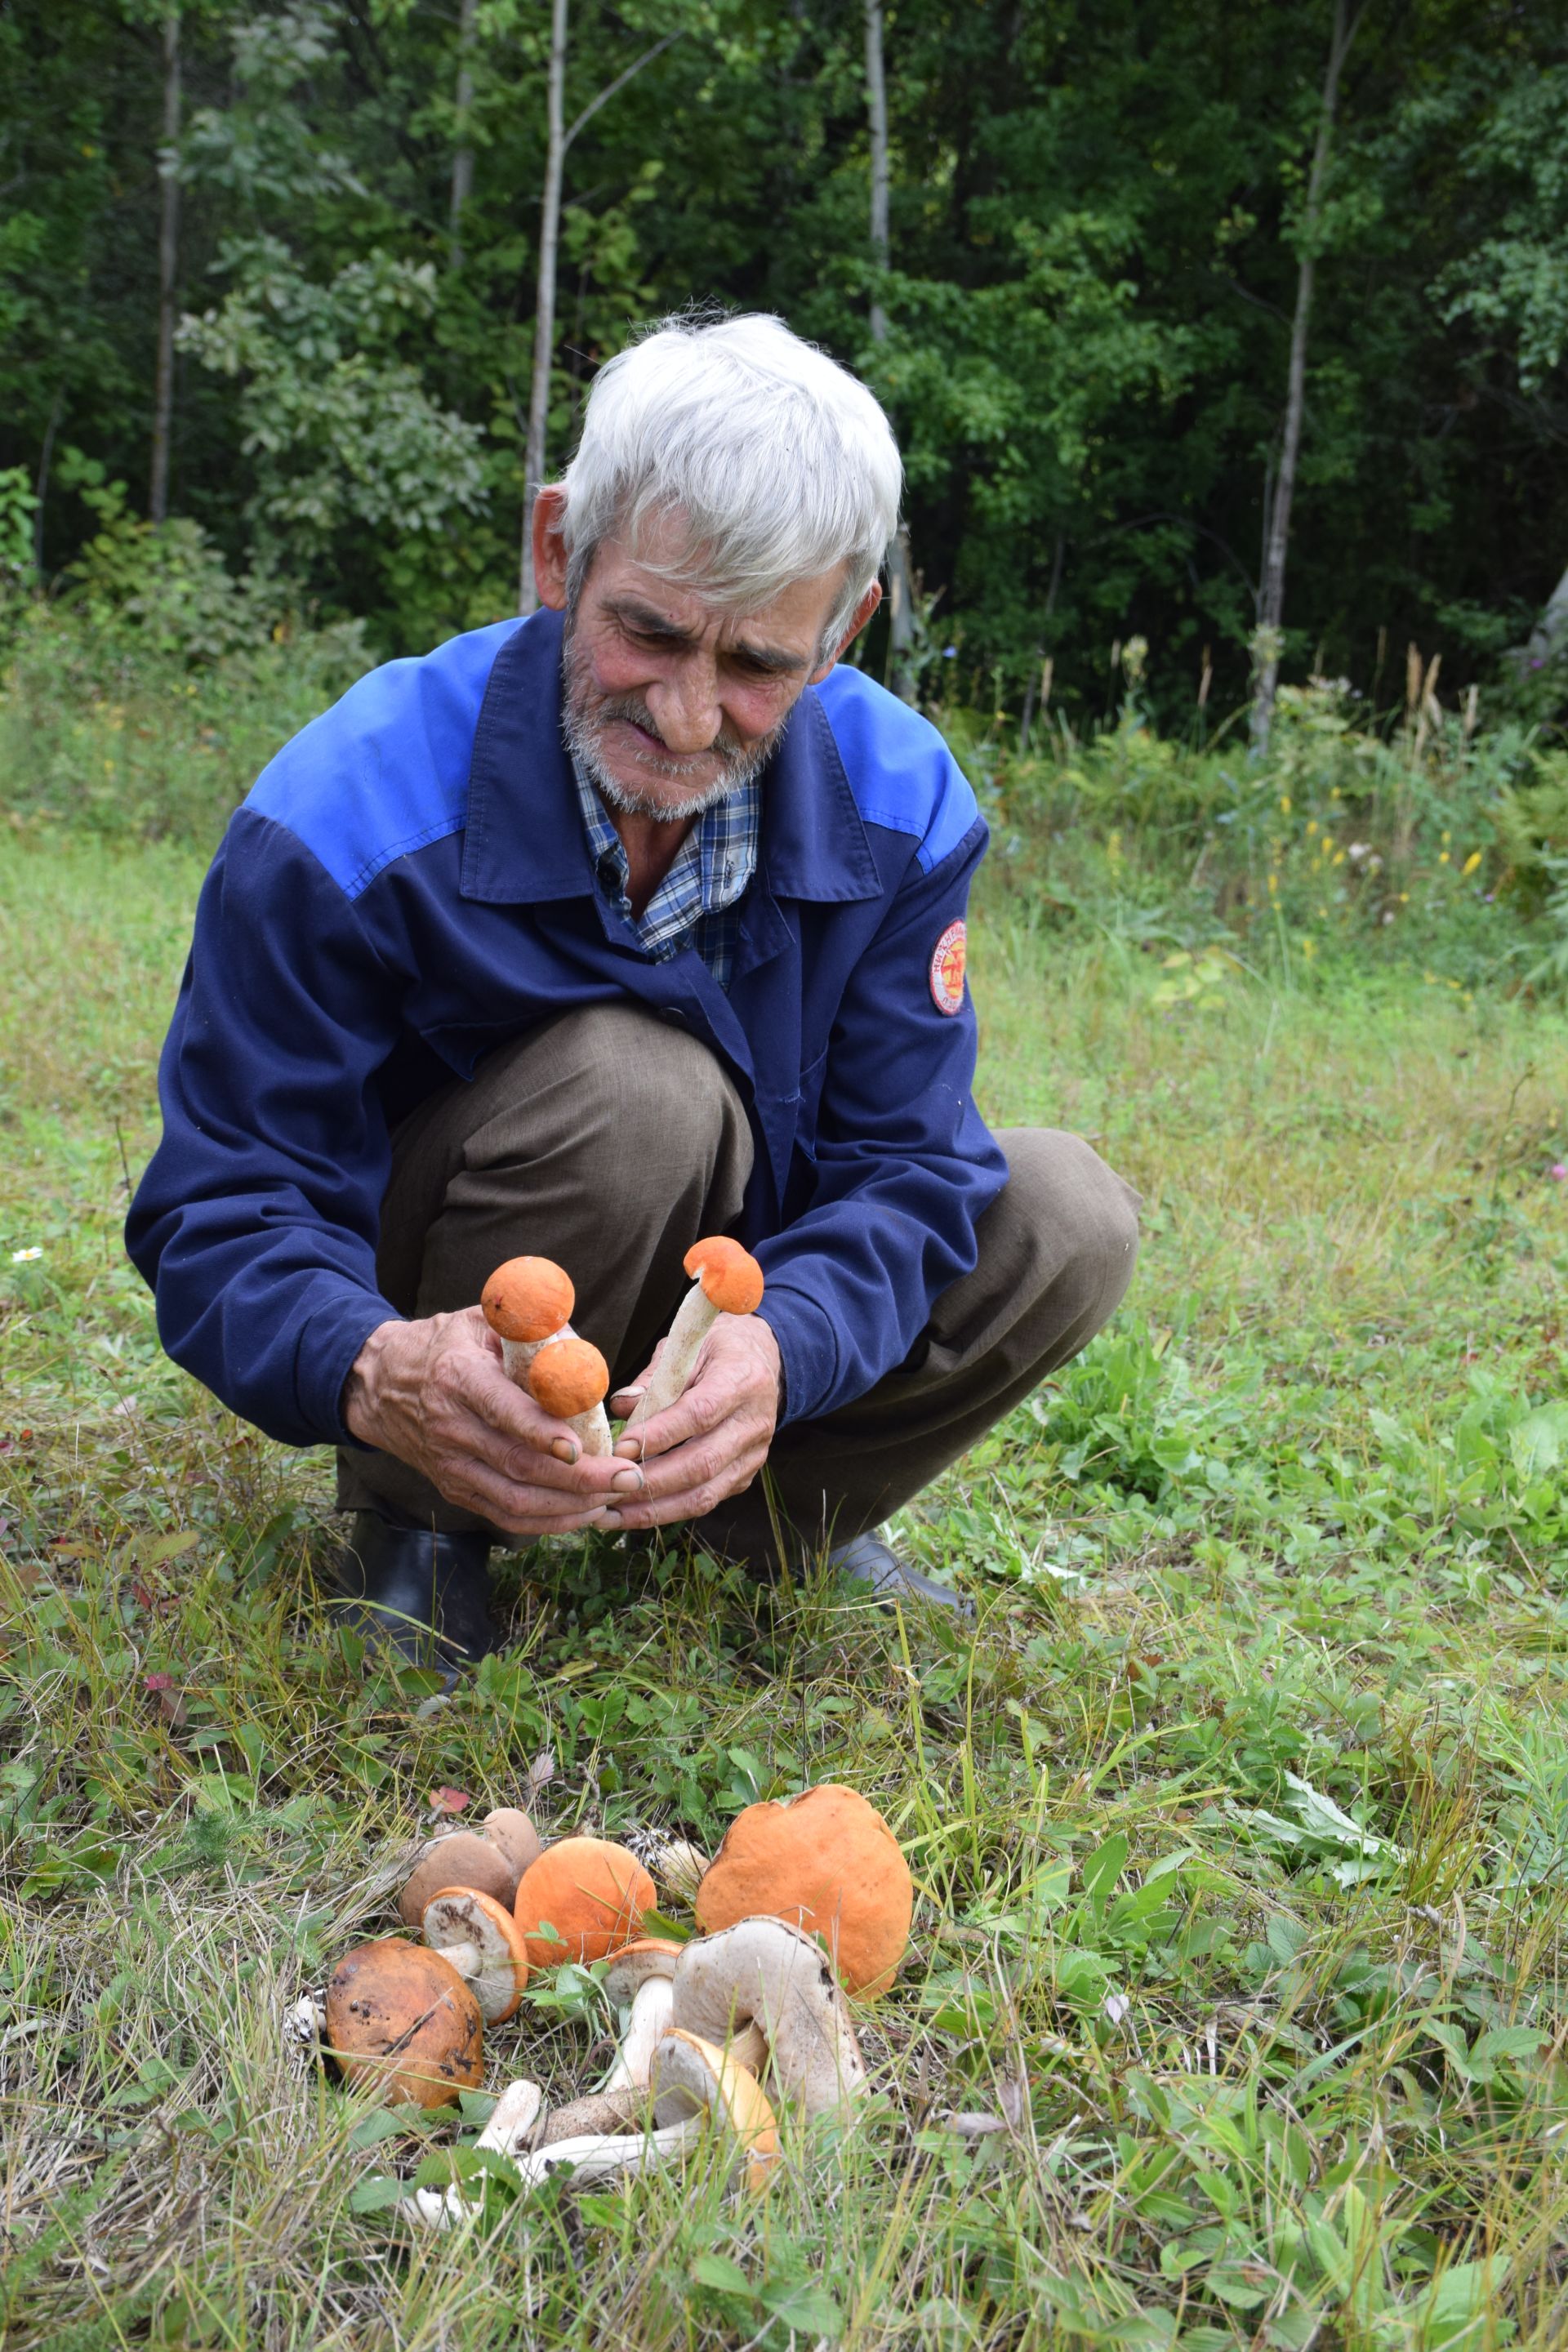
{"type": "Point", "coordinates": [947, 959]}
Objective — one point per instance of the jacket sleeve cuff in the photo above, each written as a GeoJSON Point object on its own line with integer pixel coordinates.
{"type": "Point", "coordinates": [808, 1346]}
{"type": "Point", "coordinates": [329, 1341]}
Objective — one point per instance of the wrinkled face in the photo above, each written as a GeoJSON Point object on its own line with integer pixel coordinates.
{"type": "Point", "coordinates": [671, 704]}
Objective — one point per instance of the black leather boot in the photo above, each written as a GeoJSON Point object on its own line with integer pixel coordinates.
{"type": "Point", "coordinates": [421, 1594]}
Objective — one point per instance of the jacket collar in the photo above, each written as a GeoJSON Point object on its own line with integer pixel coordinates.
{"type": "Point", "coordinates": [524, 842]}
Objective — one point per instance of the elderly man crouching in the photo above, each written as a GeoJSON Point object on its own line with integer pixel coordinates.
{"type": "Point", "coordinates": [584, 936]}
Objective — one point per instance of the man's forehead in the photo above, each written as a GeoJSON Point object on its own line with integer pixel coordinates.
{"type": "Point", "coordinates": [639, 591]}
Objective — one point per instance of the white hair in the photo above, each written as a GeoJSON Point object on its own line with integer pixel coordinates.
{"type": "Point", "coordinates": [778, 463]}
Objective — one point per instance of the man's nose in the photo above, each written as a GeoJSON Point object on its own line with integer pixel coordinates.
{"type": "Point", "coordinates": [686, 708]}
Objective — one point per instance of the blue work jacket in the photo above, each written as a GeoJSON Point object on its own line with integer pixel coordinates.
{"type": "Point", "coordinates": [408, 885]}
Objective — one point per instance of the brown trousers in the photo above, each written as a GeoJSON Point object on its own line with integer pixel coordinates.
{"type": "Point", "coordinates": [610, 1141]}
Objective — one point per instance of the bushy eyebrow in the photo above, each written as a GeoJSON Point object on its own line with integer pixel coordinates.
{"type": "Point", "coordinates": [648, 621]}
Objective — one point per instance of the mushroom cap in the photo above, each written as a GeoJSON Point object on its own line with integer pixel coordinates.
{"type": "Point", "coordinates": [634, 1964]}
{"type": "Point", "coordinates": [527, 1298]}
{"type": "Point", "coordinates": [568, 1377]}
{"type": "Point", "coordinates": [731, 1277]}
{"type": "Point", "coordinates": [690, 2075]}
{"type": "Point", "coordinates": [459, 1914]}
{"type": "Point", "coordinates": [765, 1974]}
{"type": "Point", "coordinates": [510, 1829]}
{"type": "Point", "coordinates": [827, 1861]}
{"type": "Point", "coordinates": [401, 2016]}
{"type": "Point", "coordinates": [462, 1858]}
{"type": "Point", "coordinates": [592, 1893]}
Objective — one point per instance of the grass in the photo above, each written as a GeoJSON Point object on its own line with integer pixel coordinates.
{"type": "Point", "coordinates": [1238, 1823]}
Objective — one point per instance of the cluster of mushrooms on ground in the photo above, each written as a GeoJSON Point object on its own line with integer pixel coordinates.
{"type": "Point", "coordinates": [807, 1901]}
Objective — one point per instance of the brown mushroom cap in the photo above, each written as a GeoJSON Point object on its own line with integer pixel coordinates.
{"type": "Point", "coordinates": [463, 1858]}
{"type": "Point", "coordinates": [399, 2016]}
{"type": "Point", "coordinates": [459, 1920]}
{"type": "Point", "coordinates": [827, 1861]}
{"type": "Point", "coordinates": [527, 1298]}
{"type": "Point", "coordinates": [569, 1376]}
{"type": "Point", "coordinates": [592, 1893]}
{"type": "Point", "coordinates": [510, 1830]}
{"type": "Point", "coordinates": [731, 1277]}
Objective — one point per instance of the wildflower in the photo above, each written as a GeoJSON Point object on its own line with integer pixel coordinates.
{"type": "Point", "coordinates": [1274, 886]}
{"type": "Point", "coordinates": [1442, 857]}
{"type": "Point", "coordinates": [950, 653]}
{"type": "Point", "coordinates": [1284, 803]}
{"type": "Point", "coordinates": [1311, 826]}
{"type": "Point", "coordinates": [1470, 864]}
{"type": "Point", "coordinates": [20, 1257]}
{"type": "Point", "coordinates": [1559, 1171]}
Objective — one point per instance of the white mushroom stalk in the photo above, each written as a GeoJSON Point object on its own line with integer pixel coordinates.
{"type": "Point", "coordinates": [638, 1981]}
{"type": "Point", "coordinates": [727, 1280]}
{"type": "Point", "coordinates": [585, 2157]}
{"type": "Point", "coordinates": [509, 2132]}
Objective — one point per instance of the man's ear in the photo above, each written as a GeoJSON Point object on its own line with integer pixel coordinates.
{"type": "Point", "coordinates": [857, 620]}
{"type": "Point", "coordinates": [550, 548]}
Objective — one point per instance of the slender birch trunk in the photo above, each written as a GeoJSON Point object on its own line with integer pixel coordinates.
{"type": "Point", "coordinates": [900, 613]}
{"type": "Point", "coordinates": [1271, 588]}
{"type": "Point", "coordinates": [544, 313]}
{"type": "Point", "coordinates": [463, 153]}
{"type": "Point", "coordinates": [168, 271]}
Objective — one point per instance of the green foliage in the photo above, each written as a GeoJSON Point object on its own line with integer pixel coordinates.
{"type": "Point", "coordinates": [1095, 235]}
{"type": "Point", "coordinates": [341, 430]}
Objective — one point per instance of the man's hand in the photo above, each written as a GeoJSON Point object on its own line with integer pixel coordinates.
{"type": "Point", "coordinates": [434, 1394]}
{"type": "Point", "coordinates": [713, 1440]}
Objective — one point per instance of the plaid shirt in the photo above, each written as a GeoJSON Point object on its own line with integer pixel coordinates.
{"type": "Point", "coordinates": [697, 904]}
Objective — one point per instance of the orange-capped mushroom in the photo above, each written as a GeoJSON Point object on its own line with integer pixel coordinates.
{"type": "Point", "coordinates": [731, 1277]}
{"type": "Point", "coordinates": [400, 2016]}
{"type": "Point", "coordinates": [526, 1302]}
{"type": "Point", "coordinates": [570, 1378]}
{"type": "Point", "coordinates": [826, 1862]}
{"type": "Point", "coordinates": [726, 1280]}
{"type": "Point", "coordinates": [592, 1892]}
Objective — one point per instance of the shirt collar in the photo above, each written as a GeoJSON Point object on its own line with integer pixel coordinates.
{"type": "Point", "coordinates": [525, 840]}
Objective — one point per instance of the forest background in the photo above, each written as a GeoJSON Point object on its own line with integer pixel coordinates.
{"type": "Point", "coordinates": [275, 271]}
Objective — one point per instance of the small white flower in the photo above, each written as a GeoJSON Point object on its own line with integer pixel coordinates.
{"type": "Point", "coordinates": [20, 1257]}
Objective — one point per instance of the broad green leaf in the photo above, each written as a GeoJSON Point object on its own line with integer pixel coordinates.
{"type": "Point", "coordinates": [377, 2193]}
{"type": "Point", "coordinates": [1103, 1868]}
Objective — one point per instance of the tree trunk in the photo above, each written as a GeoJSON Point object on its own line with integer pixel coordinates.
{"type": "Point", "coordinates": [168, 268]}
{"type": "Point", "coordinates": [1551, 631]}
{"type": "Point", "coordinates": [1271, 588]}
{"type": "Point", "coordinates": [463, 153]}
{"type": "Point", "coordinates": [900, 609]}
{"type": "Point", "coordinates": [544, 313]}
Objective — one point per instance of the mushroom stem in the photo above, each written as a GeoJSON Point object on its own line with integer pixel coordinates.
{"type": "Point", "coordinates": [515, 2119]}
{"type": "Point", "coordinates": [508, 2132]}
{"type": "Point", "coordinates": [597, 2156]}
{"type": "Point", "coordinates": [517, 1355]}
{"type": "Point", "coordinates": [694, 1319]}
{"type": "Point", "coordinates": [650, 2013]}
{"type": "Point", "coordinates": [592, 1429]}
{"type": "Point", "coordinates": [726, 1280]}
